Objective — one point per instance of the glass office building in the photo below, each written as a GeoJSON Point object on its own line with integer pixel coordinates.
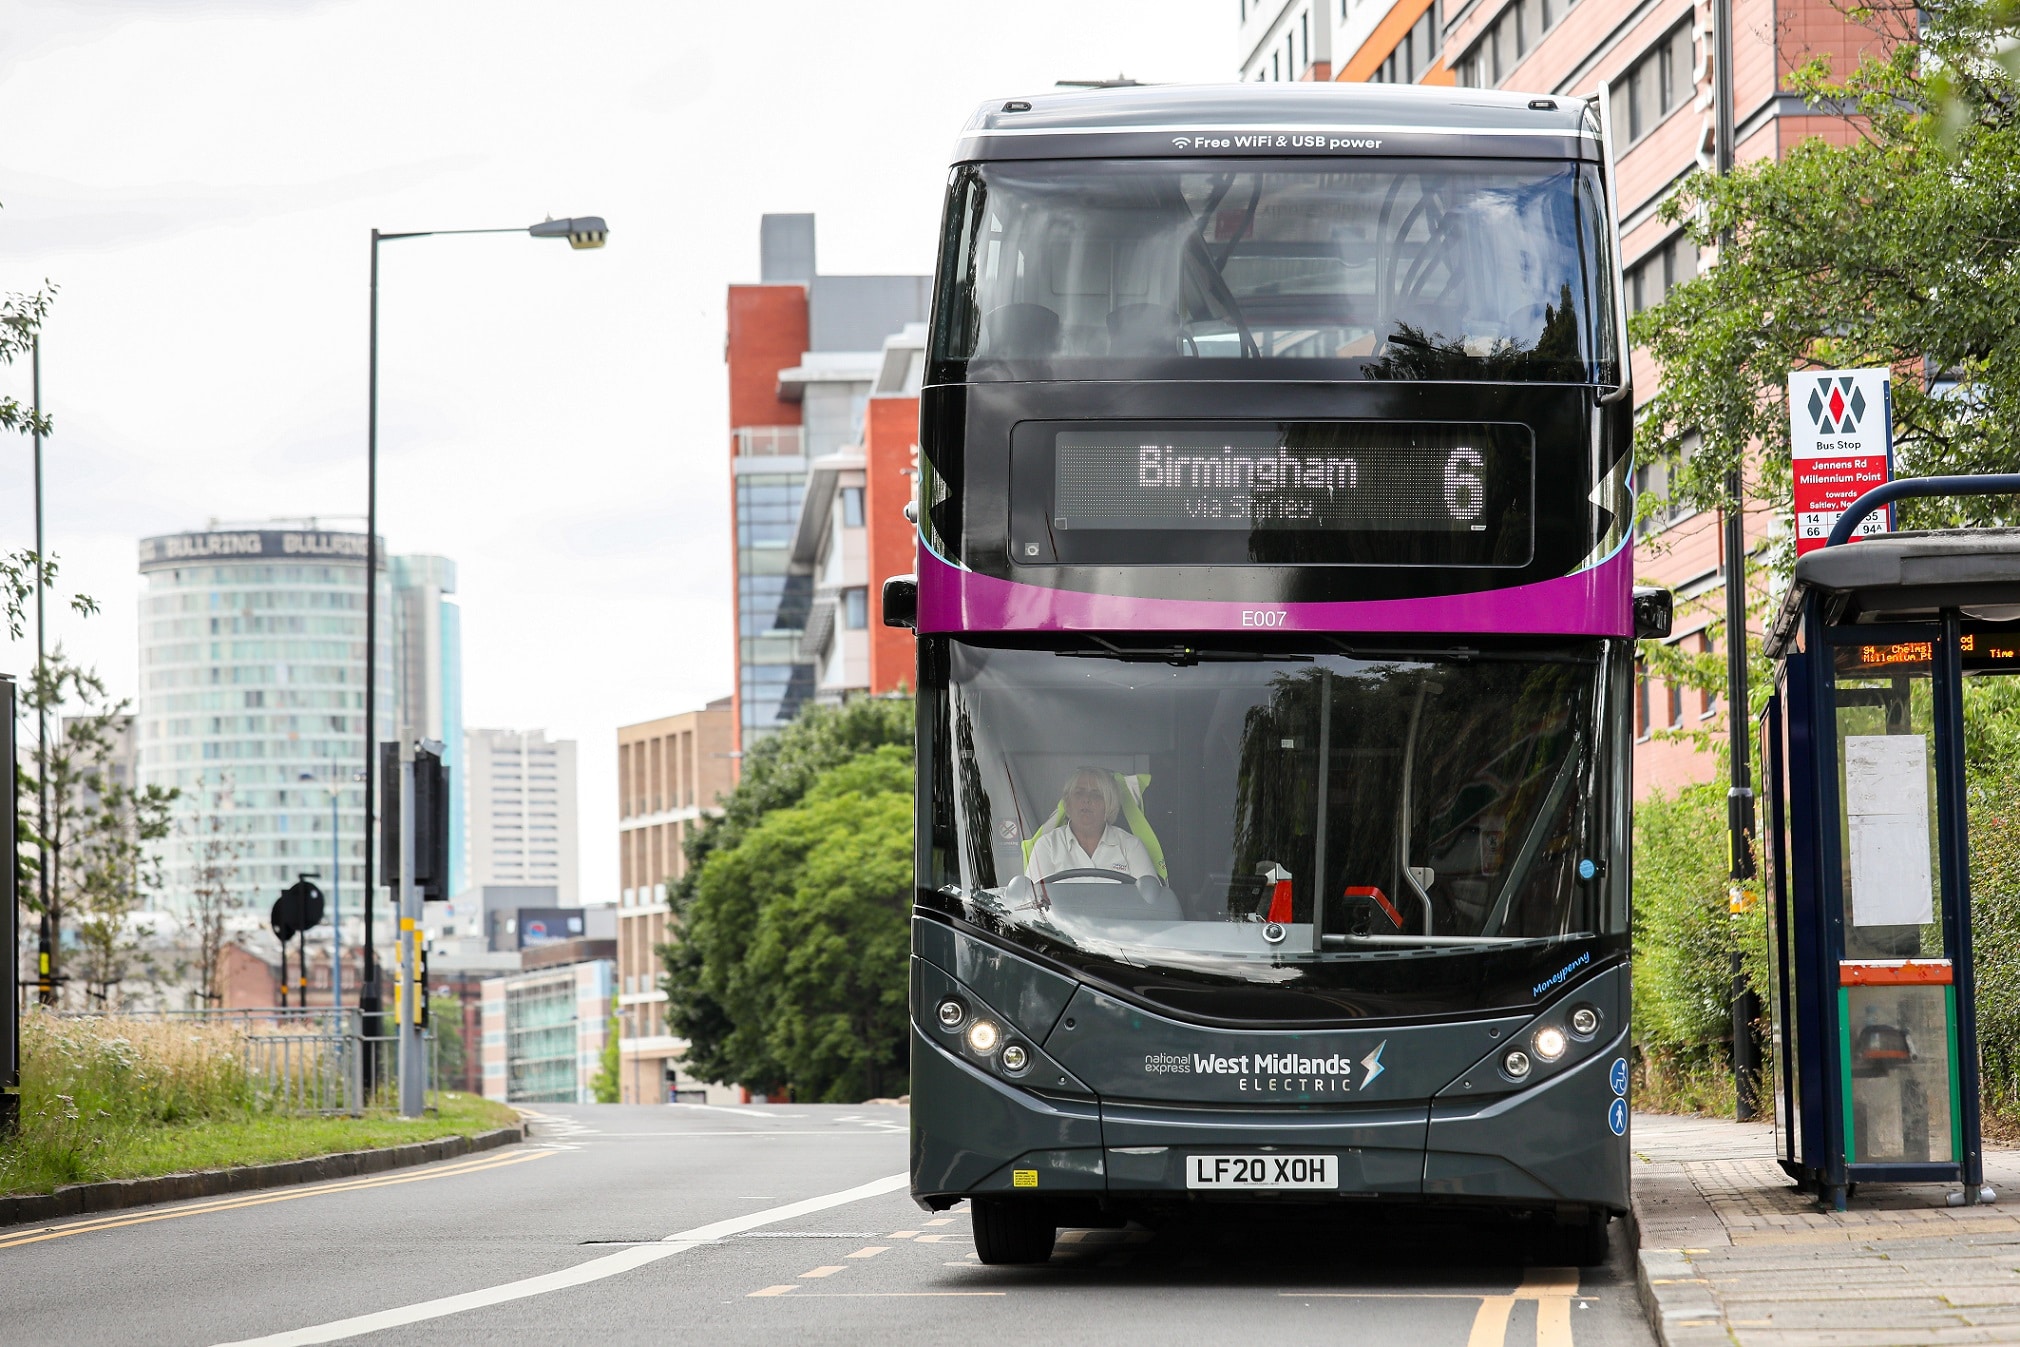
{"type": "Point", "coordinates": [252, 700]}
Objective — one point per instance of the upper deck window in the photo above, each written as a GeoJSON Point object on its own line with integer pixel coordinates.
{"type": "Point", "coordinates": [1092, 269]}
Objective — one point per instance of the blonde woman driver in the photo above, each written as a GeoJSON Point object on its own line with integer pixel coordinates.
{"type": "Point", "coordinates": [1089, 839]}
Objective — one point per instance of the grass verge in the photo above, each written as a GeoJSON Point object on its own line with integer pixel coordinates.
{"type": "Point", "coordinates": [125, 1099]}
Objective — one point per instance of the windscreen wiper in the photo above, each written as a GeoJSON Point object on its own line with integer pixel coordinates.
{"type": "Point", "coordinates": [1178, 654]}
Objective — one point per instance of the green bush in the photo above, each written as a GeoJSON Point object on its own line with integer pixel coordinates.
{"type": "Point", "coordinates": [1995, 932]}
{"type": "Point", "coordinates": [1684, 939]}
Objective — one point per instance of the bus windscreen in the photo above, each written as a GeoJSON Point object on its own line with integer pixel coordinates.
{"type": "Point", "coordinates": [1423, 269]}
{"type": "Point", "coordinates": [1373, 493]}
{"type": "Point", "coordinates": [1258, 808]}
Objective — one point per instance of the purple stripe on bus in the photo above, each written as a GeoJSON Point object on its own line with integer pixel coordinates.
{"type": "Point", "coordinates": [1594, 602]}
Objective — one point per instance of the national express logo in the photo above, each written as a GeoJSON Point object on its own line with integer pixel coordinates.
{"type": "Point", "coordinates": [1832, 412]}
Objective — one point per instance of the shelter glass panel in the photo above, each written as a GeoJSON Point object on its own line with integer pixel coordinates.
{"type": "Point", "coordinates": [1897, 1091]}
{"type": "Point", "coordinates": [1886, 819]}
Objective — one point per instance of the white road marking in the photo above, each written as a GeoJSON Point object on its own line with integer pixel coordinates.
{"type": "Point", "coordinates": [596, 1269]}
{"type": "Point", "coordinates": [741, 1110]}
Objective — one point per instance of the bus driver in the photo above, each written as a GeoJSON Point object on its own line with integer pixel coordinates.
{"type": "Point", "coordinates": [1089, 839]}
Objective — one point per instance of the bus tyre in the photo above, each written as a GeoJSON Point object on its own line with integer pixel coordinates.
{"type": "Point", "coordinates": [1012, 1232]}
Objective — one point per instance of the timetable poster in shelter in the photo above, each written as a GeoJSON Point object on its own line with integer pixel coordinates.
{"type": "Point", "coordinates": [1841, 445]}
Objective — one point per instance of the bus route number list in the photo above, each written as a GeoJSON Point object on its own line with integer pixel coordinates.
{"type": "Point", "coordinates": [1136, 481]}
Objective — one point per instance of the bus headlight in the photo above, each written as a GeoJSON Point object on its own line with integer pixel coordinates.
{"type": "Point", "coordinates": [1550, 1043]}
{"type": "Point", "coordinates": [982, 1037]}
{"type": "Point", "coordinates": [951, 1013]}
{"type": "Point", "coordinates": [1516, 1063]}
{"type": "Point", "coordinates": [1585, 1021]}
{"type": "Point", "coordinates": [1015, 1058]}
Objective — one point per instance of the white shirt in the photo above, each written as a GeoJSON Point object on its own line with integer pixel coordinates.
{"type": "Point", "coordinates": [1060, 850]}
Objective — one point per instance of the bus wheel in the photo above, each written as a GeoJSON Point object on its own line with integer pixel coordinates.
{"type": "Point", "coordinates": [1011, 1232]}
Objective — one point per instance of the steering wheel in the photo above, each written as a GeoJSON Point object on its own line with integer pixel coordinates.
{"type": "Point", "coordinates": [1083, 872]}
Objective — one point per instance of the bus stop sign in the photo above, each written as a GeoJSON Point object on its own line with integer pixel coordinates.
{"type": "Point", "coordinates": [1841, 445]}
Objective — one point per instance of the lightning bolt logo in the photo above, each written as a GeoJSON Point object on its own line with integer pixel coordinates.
{"type": "Point", "coordinates": [1373, 1061]}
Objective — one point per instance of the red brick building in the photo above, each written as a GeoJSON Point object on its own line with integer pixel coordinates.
{"type": "Point", "coordinates": [810, 356]}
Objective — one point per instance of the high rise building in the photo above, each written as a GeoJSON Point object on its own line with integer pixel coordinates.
{"type": "Point", "coordinates": [803, 350]}
{"type": "Point", "coordinates": [1656, 62]}
{"type": "Point", "coordinates": [251, 702]}
{"type": "Point", "coordinates": [428, 644]}
{"type": "Point", "coordinates": [520, 797]}
{"type": "Point", "coordinates": [671, 774]}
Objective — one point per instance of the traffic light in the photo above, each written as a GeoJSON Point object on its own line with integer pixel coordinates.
{"type": "Point", "coordinates": [431, 819]}
{"type": "Point", "coordinates": [431, 824]}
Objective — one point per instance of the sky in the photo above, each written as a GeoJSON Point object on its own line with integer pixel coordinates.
{"type": "Point", "coordinates": [199, 179]}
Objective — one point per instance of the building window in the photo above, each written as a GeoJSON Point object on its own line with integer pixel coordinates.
{"type": "Point", "coordinates": [1416, 53]}
{"type": "Point", "coordinates": [856, 609]}
{"type": "Point", "coordinates": [1653, 87]}
{"type": "Point", "coordinates": [852, 507]}
{"type": "Point", "coordinates": [1707, 699]}
{"type": "Point", "coordinates": [1653, 479]}
{"type": "Point", "coordinates": [1651, 279]}
{"type": "Point", "coordinates": [1641, 716]}
{"type": "Point", "coordinates": [1675, 704]}
{"type": "Point", "coordinates": [1502, 44]}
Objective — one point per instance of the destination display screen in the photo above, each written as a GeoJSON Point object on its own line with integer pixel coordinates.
{"type": "Point", "coordinates": [1374, 493]}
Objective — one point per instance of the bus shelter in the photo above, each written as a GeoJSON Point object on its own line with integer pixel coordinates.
{"type": "Point", "coordinates": [1865, 848]}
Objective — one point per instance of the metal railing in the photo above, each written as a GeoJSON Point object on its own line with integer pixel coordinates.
{"type": "Point", "coordinates": [338, 1069]}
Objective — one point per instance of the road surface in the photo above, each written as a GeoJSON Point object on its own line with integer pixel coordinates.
{"type": "Point", "coordinates": [761, 1225]}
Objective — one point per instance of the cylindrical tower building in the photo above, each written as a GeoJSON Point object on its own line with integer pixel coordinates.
{"type": "Point", "coordinates": [252, 696]}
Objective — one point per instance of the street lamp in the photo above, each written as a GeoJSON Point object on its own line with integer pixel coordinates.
{"type": "Point", "coordinates": [586, 231]}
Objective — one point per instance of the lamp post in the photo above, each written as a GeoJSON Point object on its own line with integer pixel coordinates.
{"type": "Point", "coordinates": [45, 951]}
{"type": "Point", "coordinates": [1739, 789]}
{"type": "Point", "coordinates": [588, 231]}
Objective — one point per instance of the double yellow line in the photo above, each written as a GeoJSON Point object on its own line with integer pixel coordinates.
{"type": "Point", "coordinates": [11, 1240]}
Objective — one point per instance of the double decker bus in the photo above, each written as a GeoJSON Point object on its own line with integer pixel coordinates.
{"type": "Point", "coordinates": [1274, 613]}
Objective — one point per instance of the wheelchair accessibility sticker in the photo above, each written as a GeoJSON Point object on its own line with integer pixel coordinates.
{"type": "Point", "coordinates": [1617, 1077]}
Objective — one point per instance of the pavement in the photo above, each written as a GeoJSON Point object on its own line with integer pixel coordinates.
{"type": "Point", "coordinates": [640, 1224]}
{"type": "Point", "coordinates": [1731, 1253]}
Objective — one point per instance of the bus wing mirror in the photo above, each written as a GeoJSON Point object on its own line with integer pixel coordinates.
{"type": "Point", "coordinates": [901, 601]}
{"type": "Point", "coordinates": [1654, 612]}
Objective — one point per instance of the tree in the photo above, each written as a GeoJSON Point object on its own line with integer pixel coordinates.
{"type": "Point", "coordinates": [118, 867]}
{"type": "Point", "coordinates": [216, 847]}
{"type": "Point", "coordinates": [777, 774]}
{"type": "Point", "coordinates": [98, 838]}
{"type": "Point", "coordinates": [830, 953]}
{"type": "Point", "coordinates": [22, 569]}
{"type": "Point", "coordinates": [802, 935]}
{"type": "Point", "coordinates": [445, 1020]}
{"type": "Point", "coordinates": [605, 1086]}
{"type": "Point", "coordinates": [1898, 247]}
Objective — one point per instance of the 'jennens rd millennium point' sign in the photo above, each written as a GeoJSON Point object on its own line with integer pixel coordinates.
{"type": "Point", "coordinates": [194, 549]}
